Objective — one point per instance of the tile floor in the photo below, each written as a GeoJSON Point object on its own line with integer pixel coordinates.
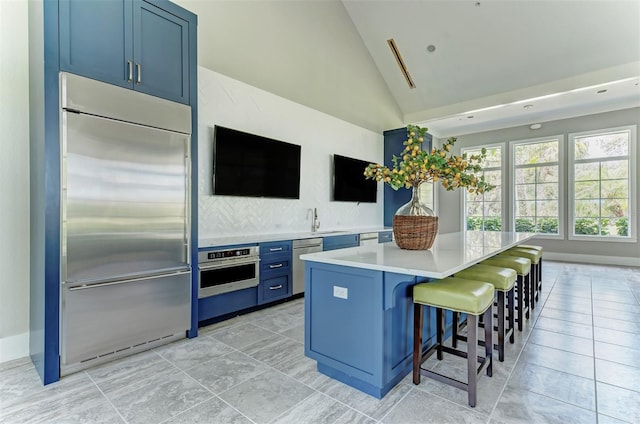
{"type": "Point", "coordinates": [577, 361]}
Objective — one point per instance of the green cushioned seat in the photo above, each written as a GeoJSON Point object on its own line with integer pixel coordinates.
{"type": "Point", "coordinates": [533, 255]}
{"type": "Point", "coordinates": [502, 278]}
{"type": "Point", "coordinates": [530, 246]}
{"type": "Point", "coordinates": [455, 294]}
{"type": "Point", "coordinates": [519, 264]}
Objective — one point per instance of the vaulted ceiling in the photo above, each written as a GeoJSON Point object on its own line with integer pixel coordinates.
{"type": "Point", "coordinates": [477, 64]}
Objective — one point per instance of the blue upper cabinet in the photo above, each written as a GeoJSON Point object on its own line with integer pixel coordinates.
{"type": "Point", "coordinates": [161, 52]}
{"type": "Point", "coordinates": [96, 39]}
{"type": "Point", "coordinates": [137, 44]}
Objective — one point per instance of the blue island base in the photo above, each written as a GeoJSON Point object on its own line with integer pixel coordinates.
{"type": "Point", "coordinates": [363, 386]}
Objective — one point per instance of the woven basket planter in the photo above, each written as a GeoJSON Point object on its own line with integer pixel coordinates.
{"type": "Point", "coordinates": [415, 232]}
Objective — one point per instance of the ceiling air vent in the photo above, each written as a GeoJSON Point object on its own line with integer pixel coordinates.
{"type": "Point", "coordinates": [401, 64]}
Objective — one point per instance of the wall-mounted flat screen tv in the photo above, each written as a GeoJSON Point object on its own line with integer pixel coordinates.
{"type": "Point", "coordinates": [254, 166]}
{"type": "Point", "coordinates": [349, 183]}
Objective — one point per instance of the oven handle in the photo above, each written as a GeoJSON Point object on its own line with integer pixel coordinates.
{"type": "Point", "coordinates": [229, 263]}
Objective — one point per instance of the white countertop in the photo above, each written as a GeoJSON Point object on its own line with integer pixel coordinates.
{"type": "Point", "coordinates": [449, 254]}
{"type": "Point", "coordinates": [261, 238]}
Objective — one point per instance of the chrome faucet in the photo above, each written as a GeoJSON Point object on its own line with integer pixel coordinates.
{"type": "Point", "coordinates": [315, 224]}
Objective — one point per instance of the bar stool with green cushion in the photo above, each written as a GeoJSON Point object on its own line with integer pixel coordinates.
{"type": "Point", "coordinates": [522, 266]}
{"type": "Point", "coordinates": [534, 256]}
{"type": "Point", "coordinates": [539, 249]}
{"type": "Point", "coordinates": [503, 280]}
{"type": "Point", "coordinates": [459, 295]}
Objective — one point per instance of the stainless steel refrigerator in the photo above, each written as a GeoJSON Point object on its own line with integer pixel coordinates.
{"type": "Point", "coordinates": [125, 230]}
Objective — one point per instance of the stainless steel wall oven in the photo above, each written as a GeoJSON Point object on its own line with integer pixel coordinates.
{"type": "Point", "coordinates": [224, 271]}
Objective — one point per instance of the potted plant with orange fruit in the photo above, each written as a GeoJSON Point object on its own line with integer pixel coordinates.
{"type": "Point", "coordinates": [414, 224]}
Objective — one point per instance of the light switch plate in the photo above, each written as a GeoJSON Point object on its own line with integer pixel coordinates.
{"type": "Point", "coordinates": [341, 292]}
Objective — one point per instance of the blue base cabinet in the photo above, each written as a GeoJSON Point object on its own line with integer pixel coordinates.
{"type": "Point", "coordinates": [359, 325]}
{"type": "Point", "coordinates": [275, 271]}
{"type": "Point", "coordinates": [226, 303]}
{"type": "Point", "coordinates": [137, 44]}
{"type": "Point", "coordinates": [385, 236]}
{"type": "Point", "coordinates": [340, 242]}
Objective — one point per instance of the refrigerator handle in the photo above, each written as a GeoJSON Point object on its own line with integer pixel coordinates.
{"type": "Point", "coordinates": [115, 283]}
{"type": "Point", "coordinates": [187, 210]}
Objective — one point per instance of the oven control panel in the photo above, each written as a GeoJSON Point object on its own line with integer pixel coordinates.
{"type": "Point", "coordinates": [216, 255]}
{"type": "Point", "coordinates": [228, 254]}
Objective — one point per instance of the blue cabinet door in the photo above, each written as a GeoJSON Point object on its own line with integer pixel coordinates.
{"type": "Point", "coordinates": [136, 44]}
{"type": "Point", "coordinates": [96, 39]}
{"type": "Point", "coordinates": [160, 52]}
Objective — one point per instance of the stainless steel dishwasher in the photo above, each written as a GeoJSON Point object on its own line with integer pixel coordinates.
{"type": "Point", "coordinates": [301, 247]}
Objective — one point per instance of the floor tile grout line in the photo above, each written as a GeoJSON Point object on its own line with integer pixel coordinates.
{"type": "Point", "coordinates": [595, 376]}
{"type": "Point", "coordinates": [524, 345]}
{"type": "Point", "coordinates": [272, 367]}
{"type": "Point", "coordinates": [106, 398]}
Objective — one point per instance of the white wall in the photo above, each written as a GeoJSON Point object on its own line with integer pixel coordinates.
{"type": "Point", "coordinates": [234, 104]}
{"type": "Point", "coordinates": [307, 51]}
{"type": "Point", "coordinates": [622, 253]}
{"type": "Point", "coordinates": [14, 180]}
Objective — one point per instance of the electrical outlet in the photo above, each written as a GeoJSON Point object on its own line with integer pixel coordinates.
{"type": "Point", "coordinates": [340, 292]}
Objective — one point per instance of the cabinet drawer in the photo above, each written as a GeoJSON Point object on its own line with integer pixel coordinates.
{"type": "Point", "coordinates": [275, 265]}
{"type": "Point", "coordinates": [274, 248]}
{"type": "Point", "coordinates": [385, 237]}
{"type": "Point", "coordinates": [275, 288]}
{"type": "Point", "coordinates": [341, 242]}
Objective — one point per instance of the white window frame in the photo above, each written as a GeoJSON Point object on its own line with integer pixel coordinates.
{"type": "Point", "coordinates": [633, 218]}
{"type": "Point", "coordinates": [561, 183]}
{"type": "Point", "coordinates": [503, 183]}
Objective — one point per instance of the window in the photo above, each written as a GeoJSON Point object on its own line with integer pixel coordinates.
{"type": "Point", "coordinates": [485, 211]}
{"type": "Point", "coordinates": [427, 194]}
{"type": "Point", "coordinates": [601, 184]}
{"type": "Point", "coordinates": [536, 186]}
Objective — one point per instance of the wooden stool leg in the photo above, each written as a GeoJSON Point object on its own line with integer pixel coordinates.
{"type": "Point", "coordinates": [533, 277]}
{"type": "Point", "coordinates": [439, 331]}
{"type": "Point", "coordinates": [417, 341]}
{"type": "Point", "coordinates": [510, 305]}
{"type": "Point", "coordinates": [488, 341]}
{"type": "Point", "coordinates": [472, 356]}
{"type": "Point", "coordinates": [527, 301]}
{"type": "Point", "coordinates": [540, 276]}
{"type": "Point", "coordinates": [454, 329]}
{"type": "Point", "coordinates": [521, 295]}
{"type": "Point", "coordinates": [501, 307]}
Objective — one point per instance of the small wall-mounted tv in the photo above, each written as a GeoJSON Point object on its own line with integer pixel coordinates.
{"type": "Point", "coordinates": [349, 183]}
{"type": "Point", "coordinates": [254, 166]}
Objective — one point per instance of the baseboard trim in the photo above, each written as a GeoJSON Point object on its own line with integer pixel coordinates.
{"type": "Point", "coordinates": [14, 347]}
{"type": "Point", "coordinates": [591, 259]}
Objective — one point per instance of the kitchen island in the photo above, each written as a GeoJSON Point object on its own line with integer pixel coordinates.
{"type": "Point", "coordinates": [358, 303]}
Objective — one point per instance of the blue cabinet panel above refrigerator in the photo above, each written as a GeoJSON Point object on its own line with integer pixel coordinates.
{"type": "Point", "coordinates": [137, 44]}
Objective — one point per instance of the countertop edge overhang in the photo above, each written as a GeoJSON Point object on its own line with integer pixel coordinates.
{"type": "Point", "coordinates": [450, 253]}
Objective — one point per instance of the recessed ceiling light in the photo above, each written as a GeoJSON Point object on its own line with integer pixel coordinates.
{"type": "Point", "coordinates": [601, 91]}
{"type": "Point", "coordinates": [529, 106]}
{"type": "Point", "coordinates": [431, 48]}
{"type": "Point", "coordinates": [535, 126]}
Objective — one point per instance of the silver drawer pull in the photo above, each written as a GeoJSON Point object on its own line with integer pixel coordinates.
{"type": "Point", "coordinates": [275, 266]}
{"type": "Point", "coordinates": [278, 287]}
{"type": "Point", "coordinates": [275, 249]}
